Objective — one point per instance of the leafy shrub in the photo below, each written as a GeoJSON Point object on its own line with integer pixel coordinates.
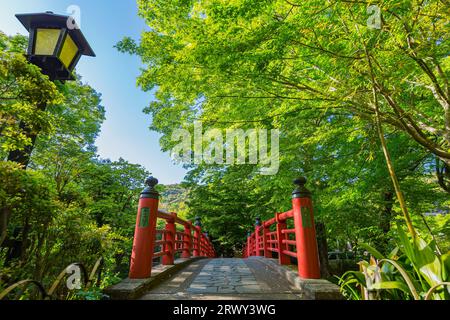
{"type": "Point", "coordinates": [412, 271]}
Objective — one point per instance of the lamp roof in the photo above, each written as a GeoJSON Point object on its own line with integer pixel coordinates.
{"type": "Point", "coordinates": [51, 20]}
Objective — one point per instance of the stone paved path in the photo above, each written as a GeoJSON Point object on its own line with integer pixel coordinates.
{"type": "Point", "coordinates": [225, 276]}
{"type": "Point", "coordinates": [225, 279]}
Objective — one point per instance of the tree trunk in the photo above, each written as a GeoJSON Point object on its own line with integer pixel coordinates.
{"type": "Point", "coordinates": [23, 157]}
{"type": "Point", "coordinates": [443, 175]}
{"type": "Point", "coordinates": [25, 241]}
{"type": "Point", "coordinates": [14, 247]}
{"type": "Point", "coordinates": [398, 191]}
{"type": "Point", "coordinates": [386, 217]}
{"type": "Point", "coordinates": [5, 213]}
{"type": "Point", "coordinates": [387, 155]}
{"type": "Point", "coordinates": [323, 250]}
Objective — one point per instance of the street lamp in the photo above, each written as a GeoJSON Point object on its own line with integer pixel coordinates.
{"type": "Point", "coordinates": [56, 44]}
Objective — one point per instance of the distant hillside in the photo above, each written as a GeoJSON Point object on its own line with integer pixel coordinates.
{"type": "Point", "coordinates": [173, 199]}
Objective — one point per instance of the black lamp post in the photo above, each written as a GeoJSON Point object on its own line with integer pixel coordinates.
{"type": "Point", "coordinates": [55, 45]}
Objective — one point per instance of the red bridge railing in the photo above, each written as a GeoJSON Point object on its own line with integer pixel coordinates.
{"type": "Point", "coordinates": [289, 234]}
{"type": "Point", "coordinates": [150, 243]}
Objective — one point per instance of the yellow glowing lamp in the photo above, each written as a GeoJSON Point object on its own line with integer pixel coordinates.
{"type": "Point", "coordinates": [55, 44]}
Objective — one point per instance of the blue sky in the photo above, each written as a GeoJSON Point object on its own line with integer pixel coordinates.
{"type": "Point", "coordinates": [125, 132]}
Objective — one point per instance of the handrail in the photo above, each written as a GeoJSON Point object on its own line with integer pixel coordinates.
{"type": "Point", "coordinates": [164, 215]}
{"type": "Point", "coordinates": [169, 216]}
{"type": "Point", "coordinates": [299, 242]}
{"type": "Point", "coordinates": [192, 242]}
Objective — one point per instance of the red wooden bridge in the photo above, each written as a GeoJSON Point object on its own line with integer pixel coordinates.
{"type": "Point", "coordinates": [150, 243]}
{"type": "Point", "coordinates": [198, 273]}
{"type": "Point", "coordinates": [279, 259]}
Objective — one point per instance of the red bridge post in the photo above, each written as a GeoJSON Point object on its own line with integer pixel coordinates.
{"type": "Point", "coordinates": [254, 244]}
{"type": "Point", "coordinates": [249, 244]}
{"type": "Point", "coordinates": [202, 244]}
{"type": "Point", "coordinates": [187, 241]}
{"type": "Point", "coordinates": [305, 232]}
{"type": "Point", "coordinates": [208, 252]}
{"type": "Point", "coordinates": [169, 236]}
{"type": "Point", "coordinates": [144, 234]}
{"type": "Point", "coordinates": [266, 245]}
{"type": "Point", "coordinates": [197, 237]}
{"type": "Point", "coordinates": [257, 237]}
{"type": "Point", "coordinates": [205, 244]}
{"type": "Point", "coordinates": [283, 259]}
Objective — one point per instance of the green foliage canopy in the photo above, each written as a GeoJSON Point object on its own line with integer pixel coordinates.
{"type": "Point", "coordinates": [301, 67]}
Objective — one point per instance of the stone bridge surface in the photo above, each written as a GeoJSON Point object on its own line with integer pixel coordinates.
{"type": "Point", "coordinates": [225, 279]}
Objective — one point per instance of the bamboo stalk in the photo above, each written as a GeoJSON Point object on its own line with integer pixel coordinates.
{"type": "Point", "coordinates": [387, 155]}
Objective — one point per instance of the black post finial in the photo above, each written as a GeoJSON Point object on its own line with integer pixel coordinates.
{"type": "Point", "coordinates": [150, 191]}
{"type": "Point", "coordinates": [258, 221]}
{"type": "Point", "coordinates": [151, 182]}
{"type": "Point", "coordinates": [198, 221]}
{"type": "Point", "coordinates": [301, 191]}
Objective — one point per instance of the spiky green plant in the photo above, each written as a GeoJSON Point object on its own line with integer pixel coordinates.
{"type": "Point", "coordinates": [412, 271]}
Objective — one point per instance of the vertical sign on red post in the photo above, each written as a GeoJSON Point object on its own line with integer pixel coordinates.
{"type": "Point", "coordinates": [305, 232]}
{"type": "Point", "coordinates": [144, 234]}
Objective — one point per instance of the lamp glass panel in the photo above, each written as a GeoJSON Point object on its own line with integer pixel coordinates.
{"type": "Point", "coordinates": [69, 51]}
{"type": "Point", "coordinates": [46, 41]}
